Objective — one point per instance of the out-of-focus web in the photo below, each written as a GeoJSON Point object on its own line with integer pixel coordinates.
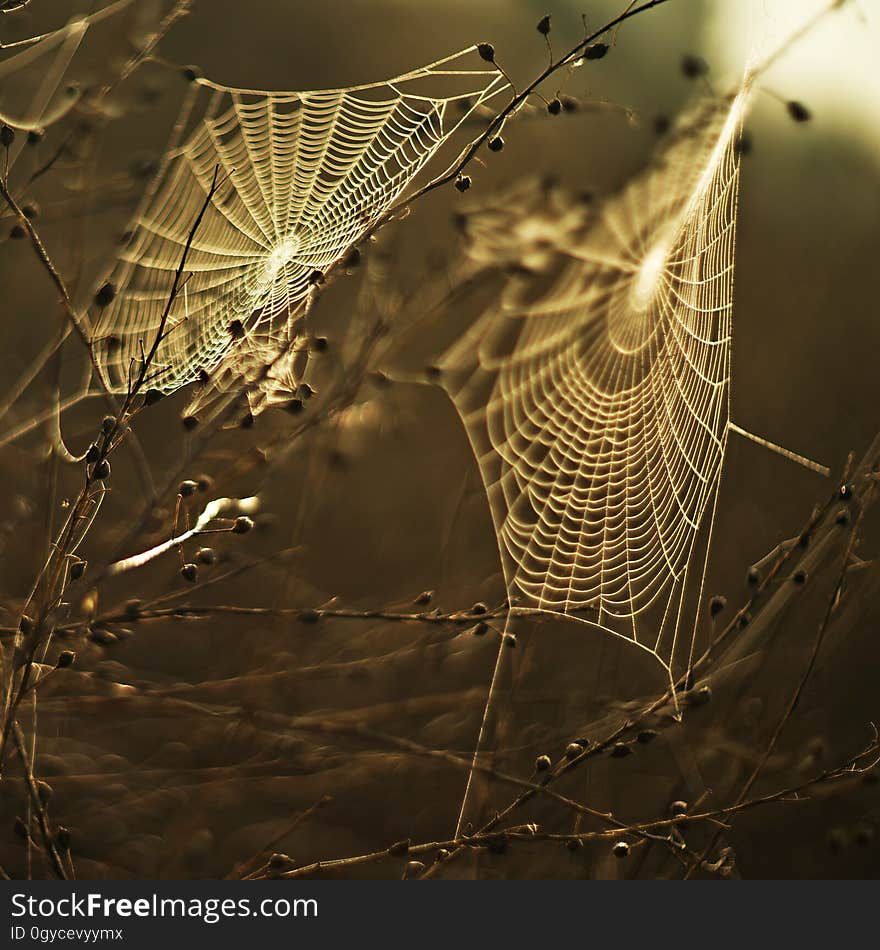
{"type": "Point", "coordinates": [304, 175]}
{"type": "Point", "coordinates": [596, 399]}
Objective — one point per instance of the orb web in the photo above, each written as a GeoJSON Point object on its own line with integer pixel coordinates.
{"type": "Point", "coordinates": [596, 392]}
{"type": "Point", "coordinates": [303, 176]}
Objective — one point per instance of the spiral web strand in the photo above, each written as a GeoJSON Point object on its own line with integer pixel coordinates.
{"type": "Point", "coordinates": [598, 406]}
{"type": "Point", "coordinates": [304, 176]}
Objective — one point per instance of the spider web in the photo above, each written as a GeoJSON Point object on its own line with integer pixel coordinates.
{"type": "Point", "coordinates": [304, 176]}
{"type": "Point", "coordinates": [596, 398]}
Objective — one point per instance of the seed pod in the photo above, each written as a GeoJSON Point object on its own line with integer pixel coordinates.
{"type": "Point", "coordinates": [716, 605]}
{"type": "Point", "coordinates": [133, 609]}
{"type": "Point", "coordinates": [543, 26]}
{"type": "Point", "coordinates": [206, 556]}
{"type": "Point", "coordinates": [620, 849]}
{"type": "Point", "coordinates": [152, 396]}
{"type": "Point", "coordinates": [509, 640]}
{"type": "Point", "coordinates": [620, 750]}
{"type": "Point", "coordinates": [187, 487]}
{"type": "Point", "coordinates": [242, 525]}
{"type": "Point", "coordinates": [596, 51]}
{"type": "Point", "coordinates": [479, 608]}
{"type": "Point", "coordinates": [44, 791]}
{"type": "Point", "coordinates": [480, 629]}
{"type": "Point", "coordinates": [106, 294]}
{"type": "Point", "coordinates": [693, 67]}
{"type": "Point", "coordinates": [798, 111]}
{"type": "Point", "coordinates": [62, 838]}
{"type": "Point", "coordinates": [108, 424]}
{"type": "Point", "coordinates": [399, 848]}
{"type": "Point", "coordinates": [190, 572]}
{"type": "Point", "coordinates": [93, 454]}
{"type": "Point", "coordinates": [65, 659]}
{"type": "Point", "coordinates": [463, 182]}
{"type": "Point", "coordinates": [425, 597]}
{"type": "Point", "coordinates": [573, 750]}
{"type": "Point", "coordinates": [543, 763]}
{"type": "Point", "coordinates": [7, 135]}
{"type": "Point", "coordinates": [77, 569]}
{"type": "Point", "coordinates": [646, 736]}
{"type": "Point", "coordinates": [102, 470]}
{"type": "Point", "coordinates": [554, 106]}
{"type": "Point", "coordinates": [309, 615]}
{"type": "Point", "coordinates": [279, 860]}
{"type": "Point", "coordinates": [496, 143]}
{"type": "Point", "coordinates": [486, 51]}
{"type": "Point", "coordinates": [677, 808]}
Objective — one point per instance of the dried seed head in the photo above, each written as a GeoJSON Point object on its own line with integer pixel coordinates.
{"type": "Point", "coordinates": [44, 791]}
{"type": "Point", "coordinates": [596, 51]}
{"type": "Point", "coordinates": [486, 51]}
{"type": "Point", "coordinates": [620, 750]}
{"type": "Point", "coordinates": [35, 136]}
{"type": "Point", "coordinates": [425, 597]}
{"type": "Point", "coordinates": [716, 605]}
{"type": "Point", "coordinates": [205, 482]}
{"type": "Point", "coordinates": [693, 67]}
{"type": "Point", "coordinates": [7, 135]}
{"type": "Point", "coordinates": [799, 577]}
{"type": "Point", "coordinates": [187, 487]}
{"type": "Point", "coordinates": [108, 424]}
{"type": "Point", "coordinates": [677, 808]}
{"type": "Point", "coordinates": [463, 182]}
{"type": "Point", "coordinates": [191, 73]}
{"type": "Point", "coordinates": [242, 525]}
{"type": "Point", "coordinates": [399, 848]}
{"type": "Point", "coordinates": [496, 143]}
{"type": "Point", "coordinates": [65, 659]}
{"type": "Point", "coordinates": [479, 608]}
{"type": "Point", "coordinates": [843, 517]}
{"type": "Point", "coordinates": [543, 26]}
{"type": "Point", "coordinates": [279, 860]}
{"type": "Point", "coordinates": [554, 106]}
{"type": "Point", "coordinates": [413, 868]}
{"type": "Point", "coordinates": [190, 572]}
{"type": "Point", "coordinates": [133, 609]}
{"type": "Point", "coordinates": [509, 640]}
{"type": "Point", "coordinates": [646, 736]}
{"type": "Point", "coordinates": [543, 763]}
{"type": "Point", "coordinates": [189, 422]}
{"type": "Point", "coordinates": [206, 556]}
{"type": "Point", "coordinates": [152, 396]}
{"type": "Point", "coordinates": [106, 294]}
{"type": "Point", "coordinates": [701, 696]}
{"type": "Point", "coordinates": [753, 577]}
{"type": "Point", "coordinates": [573, 750]}
{"type": "Point", "coordinates": [62, 838]}
{"type": "Point", "coordinates": [798, 111]}
{"type": "Point", "coordinates": [93, 454]}
{"type": "Point", "coordinates": [661, 125]}
{"type": "Point", "coordinates": [480, 629]}
{"type": "Point", "coordinates": [102, 470]}
{"type": "Point", "coordinates": [309, 615]}
{"type": "Point", "coordinates": [77, 569]}
{"type": "Point", "coordinates": [620, 849]}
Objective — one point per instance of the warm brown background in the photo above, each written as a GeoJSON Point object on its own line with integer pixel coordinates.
{"type": "Point", "coordinates": [391, 505]}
